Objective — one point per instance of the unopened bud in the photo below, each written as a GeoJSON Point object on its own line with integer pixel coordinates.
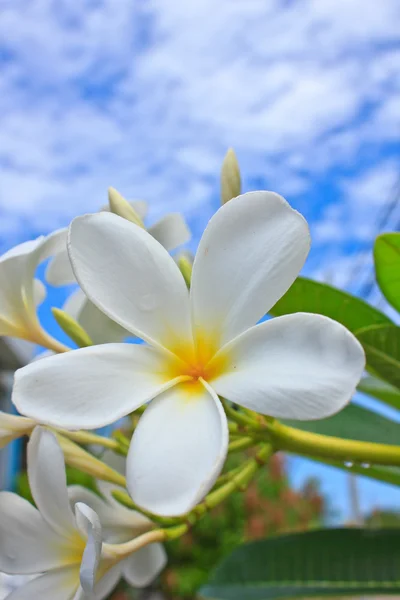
{"type": "Point", "coordinates": [72, 328]}
{"type": "Point", "coordinates": [231, 185]}
{"type": "Point", "coordinates": [121, 207]}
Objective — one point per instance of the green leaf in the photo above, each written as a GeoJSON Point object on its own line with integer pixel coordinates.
{"type": "Point", "coordinates": [372, 386]}
{"type": "Point", "coordinates": [324, 562]}
{"type": "Point", "coordinates": [354, 423]}
{"type": "Point", "coordinates": [306, 295]}
{"type": "Point", "coordinates": [382, 348]}
{"type": "Point", "coordinates": [387, 266]}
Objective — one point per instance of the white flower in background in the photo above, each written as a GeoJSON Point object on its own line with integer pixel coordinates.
{"type": "Point", "coordinates": [200, 345]}
{"type": "Point", "coordinates": [120, 525]}
{"type": "Point", "coordinates": [171, 231]}
{"type": "Point", "coordinates": [64, 546]}
{"type": "Point", "coordinates": [13, 427]}
{"type": "Point", "coordinates": [20, 292]}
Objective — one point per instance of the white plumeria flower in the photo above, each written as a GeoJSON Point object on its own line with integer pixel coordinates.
{"type": "Point", "coordinates": [200, 345]}
{"type": "Point", "coordinates": [120, 525]}
{"type": "Point", "coordinates": [20, 292]}
{"type": "Point", "coordinates": [171, 231]}
{"type": "Point", "coordinates": [63, 545]}
{"type": "Point", "coordinates": [13, 427]}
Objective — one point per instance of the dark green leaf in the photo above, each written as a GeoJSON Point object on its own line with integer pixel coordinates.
{"type": "Point", "coordinates": [354, 423]}
{"type": "Point", "coordinates": [382, 348]}
{"type": "Point", "coordinates": [372, 386]}
{"type": "Point", "coordinates": [324, 562]}
{"type": "Point", "coordinates": [387, 266]}
{"type": "Point", "coordinates": [306, 295]}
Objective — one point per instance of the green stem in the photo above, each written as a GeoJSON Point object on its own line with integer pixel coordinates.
{"type": "Point", "coordinates": [332, 448]}
{"type": "Point", "coordinates": [124, 499]}
{"type": "Point", "coordinates": [77, 457]}
{"type": "Point", "coordinates": [239, 417]}
{"type": "Point", "coordinates": [238, 481]}
{"type": "Point", "coordinates": [86, 437]}
{"type": "Point", "coordinates": [241, 444]}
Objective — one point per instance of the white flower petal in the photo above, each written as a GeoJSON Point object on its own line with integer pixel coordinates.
{"type": "Point", "coordinates": [12, 427]}
{"type": "Point", "coordinates": [251, 252]}
{"type": "Point", "coordinates": [90, 387]}
{"type": "Point", "coordinates": [300, 366]}
{"type": "Point", "coordinates": [140, 206]}
{"type": "Point", "coordinates": [48, 482]}
{"type": "Point", "coordinates": [171, 231]}
{"type": "Point", "coordinates": [89, 523]}
{"type": "Point", "coordinates": [119, 524]}
{"type": "Point", "coordinates": [101, 329]}
{"type": "Point", "coordinates": [142, 567]}
{"type": "Point", "coordinates": [177, 450]}
{"type": "Point", "coordinates": [59, 270]}
{"type": "Point", "coordinates": [17, 289]}
{"type": "Point", "coordinates": [60, 584]}
{"type": "Point", "coordinates": [107, 583]}
{"type": "Point", "coordinates": [130, 277]}
{"type": "Point", "coordinates": [39, 291]}
{"type": "Point", "coordinates": [27, 543]}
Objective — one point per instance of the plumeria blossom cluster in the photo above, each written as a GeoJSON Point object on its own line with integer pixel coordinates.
{"type": "Point", "coordinates": [202, 368]}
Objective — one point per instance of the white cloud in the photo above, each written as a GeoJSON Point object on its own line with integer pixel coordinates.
{"type": "Point", "coordinates": [147, 97]}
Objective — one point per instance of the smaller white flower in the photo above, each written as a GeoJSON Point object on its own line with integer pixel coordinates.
{"type": "Point", "coordinates": [20, 292]}
{"type": "Point", "coordinates": [63, 545]}
{"type": "Point", "coordinates": [171, 231]}
{"type": "Point", "coordinates": [120, 525]}
{"type": "Point", "coordinates": [13, 427]}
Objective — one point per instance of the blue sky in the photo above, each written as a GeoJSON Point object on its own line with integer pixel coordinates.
{"type": "Point", "coordinates": [147, 96]}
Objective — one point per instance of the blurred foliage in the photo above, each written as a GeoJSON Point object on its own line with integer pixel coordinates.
{"type": "Point", "coordinates": [383, 518]}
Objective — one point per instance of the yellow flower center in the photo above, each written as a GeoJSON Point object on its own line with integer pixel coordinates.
{"type": "Point", "coordinates": [198, 361]}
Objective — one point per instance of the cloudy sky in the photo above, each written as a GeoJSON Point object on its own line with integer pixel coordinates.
{"type": "Point", "coordinates": [147, 95]}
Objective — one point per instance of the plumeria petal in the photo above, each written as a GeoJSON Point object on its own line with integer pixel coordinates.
{"type": "Point", "coordinates": [60, 584]}
{"type": "Point", "coordinates": [119, 524]}
{"type": "Point", "coordinates": [171, 231]}
{"type": "Point", "coordinates": [101, 329]}
{"type": "Point", "coordinates": [39, 291]}
{"type": "Point", "coordinates": [251, 252]}
{"type": "Point", "coordinates": [47, 481]}
{"type": "Point", "coordinates": [90, 387]}
{"type": "Point", "coordinates": [300, 366]}
{"type": "Point", "coordinates": [27, 542]}
{"type": "Point", "coordinates": [131, 277]}
{"type": "Point", "coordinates": [107, 583]}
{"type": "Point", "coordinates": [13, 426]}
{"type": "Point", "coordinates": [177, 450]}
{"type": "Point", "coordinates": [59, 270]}
{"type": "Point", "coordinates": [17, 289]}
{"type": "Point", "coordinates": [142, 567]}
{"type": "Point", "coordinates": [89, 523]}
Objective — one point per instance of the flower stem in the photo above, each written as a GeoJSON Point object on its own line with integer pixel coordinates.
{"type": "Point", "coordinates": [124, 499]}
{"type": "Point", "coordinates": [238, 480]}
{"type": "Point", "coordinates": [77, 457]}
{"type": "Point", "coordinates": [332, 448]}
{"type": "Point", "coordinates": [86, 437]}
{"type": "Point", "coordinates": [241, 444]}
{"type": "Point", "coordinates": [242, 419]}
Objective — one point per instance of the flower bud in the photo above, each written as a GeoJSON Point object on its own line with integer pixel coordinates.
{"type": "Point", "coordinates": [121, 207]}
{"type": "Point", "coordinates": [230, 177]}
